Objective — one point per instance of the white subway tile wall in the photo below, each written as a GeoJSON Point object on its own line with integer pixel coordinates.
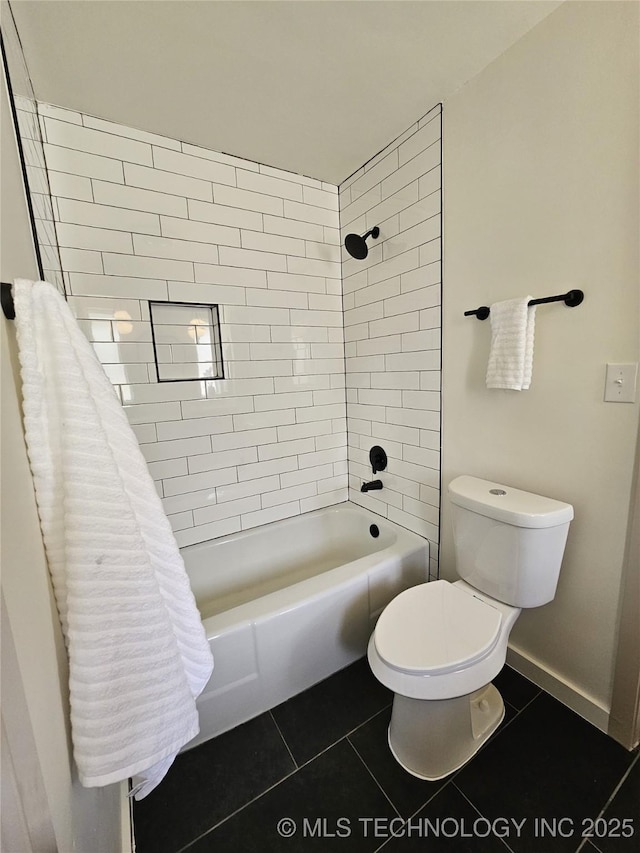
{"type": "Point", "coordinates": [142, 218]}
{"type": "Point", "coordinates": [139, 217]}
{"type": "Point", "coordinates": [392, 323]}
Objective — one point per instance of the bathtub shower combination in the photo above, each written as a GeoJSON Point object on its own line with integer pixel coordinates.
{"type": "Point", "coordinates": [290, 603]}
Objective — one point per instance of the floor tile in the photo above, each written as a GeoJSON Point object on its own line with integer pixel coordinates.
{"type": "Point", "coordinates": [320, 805]}
{"type": "Point", "coordinates": [515, 688]}
{"type": "Point", "coordinates": [543, 762]}
{"type": "Point", "coordinates": [547, 764]}
{"type": "Point", "coordinates": [317, 718]}
{"type": "Point", "coordinates": [449, 824]}
{"type": "Point", "coordinates": [208, 782]}
{"type": "Point", "coordinates": [406, 792]}
{"type": "Point", "coordinates": [611, 834]}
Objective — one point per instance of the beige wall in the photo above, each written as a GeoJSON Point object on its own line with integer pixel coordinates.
{"type": "Point", "coordinates": [624, 720]}
{"type": "Point", "coordinates": [541, 195]}
{"type": "Point", "coordinates": [82, 819]}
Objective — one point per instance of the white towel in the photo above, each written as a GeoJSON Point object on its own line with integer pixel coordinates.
{"type": "Point", "coordinates": [511, 357]}
{"type": "Point", "coordinates": [138, 653]}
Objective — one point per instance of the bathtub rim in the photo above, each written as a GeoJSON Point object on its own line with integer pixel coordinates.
{"type": "Point", "coordinates": [281, 600]}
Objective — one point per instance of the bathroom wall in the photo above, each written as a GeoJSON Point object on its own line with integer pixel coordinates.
{"type": "Point", "coordinates": [541, 175]}
{"type": "Point", "coordinates": [392, 323]}
{"type": "Point", "coordinates": [141, 217]}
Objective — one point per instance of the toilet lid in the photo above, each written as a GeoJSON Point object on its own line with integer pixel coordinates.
{"type": "Point", "coordinates": [436, 627]}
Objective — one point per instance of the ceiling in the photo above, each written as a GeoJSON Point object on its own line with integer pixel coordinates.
{"type": "Point", "coordinates": [317, 88]}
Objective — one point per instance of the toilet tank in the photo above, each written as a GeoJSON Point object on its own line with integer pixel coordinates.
{"type": "Point", "coordinates": [509, 543]}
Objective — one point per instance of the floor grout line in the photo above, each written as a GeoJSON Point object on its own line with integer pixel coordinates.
{"type": "Point", "coordinates": [371, 773]}
{"type": "Point", "coordinates": [284, 740]}
{"type": "Point", "coordinates": [368, 720]}
{"type": "Point", "coordinates": [236, 811]}
{"type": "Point", "coordinates": [614, 793]}
{"type": "Point", "coordinates": [473, 806]}
{"type": "Point", "coordinates": [297, 768]}
{"type": "Point", "coordinates": [585, 842]}
{"type": "Point", "coordinates": [624, 778]}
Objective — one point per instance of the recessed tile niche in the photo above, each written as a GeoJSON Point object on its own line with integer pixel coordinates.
{"type": "Point", "coordinates": [186, 341]}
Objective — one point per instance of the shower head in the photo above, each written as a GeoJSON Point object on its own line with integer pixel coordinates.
{"type": "Point", "coordinates": [357, 246]}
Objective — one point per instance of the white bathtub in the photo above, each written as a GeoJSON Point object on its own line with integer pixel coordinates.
{"type": "Point", "coordinates": [287, 604]}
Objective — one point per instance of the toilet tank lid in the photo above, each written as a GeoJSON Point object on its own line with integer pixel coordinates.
{"type": "Point", "coordinates": [506, 504]}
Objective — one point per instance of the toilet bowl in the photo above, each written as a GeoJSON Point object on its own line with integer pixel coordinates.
{"type": "Point", "coordinates": [441, 642]}
{"type": "Point", "coordinates": [438, 645]}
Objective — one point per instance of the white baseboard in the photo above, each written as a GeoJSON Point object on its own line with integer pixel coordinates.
{"type": "Point", "coordinates": [127, 842]}
{"type": "Point", "coordinates": [569, 694]}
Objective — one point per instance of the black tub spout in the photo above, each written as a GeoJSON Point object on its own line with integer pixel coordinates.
{"type": "Point", "coordinates": [372, 486]}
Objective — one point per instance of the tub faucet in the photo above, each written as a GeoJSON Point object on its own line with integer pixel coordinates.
{"type": "Point", "coordinates": [372, 486]}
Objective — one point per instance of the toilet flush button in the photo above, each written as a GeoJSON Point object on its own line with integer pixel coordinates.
{"type": "Point", "coordinates": [497, 492]}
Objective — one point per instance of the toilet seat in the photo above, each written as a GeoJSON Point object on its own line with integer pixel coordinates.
{"type": "Point", "coordinates": [436, 628]}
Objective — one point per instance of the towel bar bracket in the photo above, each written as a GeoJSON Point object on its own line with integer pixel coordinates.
{"type": "Point", "coordinates": [571, 299]}
{"type": "Point", "coordinates": [481, 313]}
{"type": "Point", "coordinates": [6, 298]}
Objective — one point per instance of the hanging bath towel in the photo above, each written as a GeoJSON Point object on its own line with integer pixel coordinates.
{"type": "Point", "coordinates": [511, 356]}
{"type": "Point", "coordinates": [138, 654]}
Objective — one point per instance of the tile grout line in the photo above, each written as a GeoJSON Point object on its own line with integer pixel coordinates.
{"type": "Point", "coordinates": [342, 737]}
{"type": "Point", "coordinates": [473, 806]}
{"type": "Point", "coordinates": [505, 725]}
{"type": "Point", "coordinates": [624, 778]}
{"type": "Point", "coordinates": [236, 811]}
{"type": "Point", "coordinates": [284, 740]}
{"type": "Point", "coordinates": [368, 719]}
{"type": "Point", "coordinates": [371, 773]}
{"type": "Point", "coordinates": [612, 797]}
{"type": "Point", "coordinates": [533, 698]}
{"type": "Point", "coordinates": [275, 784]}
{"type": "Point", "coordinates": [587, 844]}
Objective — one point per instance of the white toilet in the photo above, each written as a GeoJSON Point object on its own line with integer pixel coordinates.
{"type": "Point", "coordinates": [439, 644]}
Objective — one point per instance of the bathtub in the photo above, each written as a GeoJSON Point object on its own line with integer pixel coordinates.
{"type": "Point", "coordinates": [290, 603]}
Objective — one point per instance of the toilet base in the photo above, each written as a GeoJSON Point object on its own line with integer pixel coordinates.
{"type": "Point", "coordinates": [432, 738]}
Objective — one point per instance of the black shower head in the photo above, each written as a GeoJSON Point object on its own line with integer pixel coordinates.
{"type": "Point", "coordinates": [357, 245]}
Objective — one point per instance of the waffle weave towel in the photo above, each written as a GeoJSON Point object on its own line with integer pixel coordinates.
{"type": "Point", "coordinates": [511, 356]}
{"type": "Point", "coordinates": [138, 653]}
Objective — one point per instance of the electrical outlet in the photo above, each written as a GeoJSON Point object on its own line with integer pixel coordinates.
{"type": "Point", "coordinates": [620, 383]}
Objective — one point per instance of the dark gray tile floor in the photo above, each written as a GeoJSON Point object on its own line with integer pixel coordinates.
{"type": "Point", "coordinates": [316, 773]}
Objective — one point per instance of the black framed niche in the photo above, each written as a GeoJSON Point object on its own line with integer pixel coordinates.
{"type": "Point", "coordinates": [186, 341]}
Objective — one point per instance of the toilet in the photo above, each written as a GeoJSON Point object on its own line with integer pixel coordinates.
{"type": "Point", "coordinates": [438, 645]}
